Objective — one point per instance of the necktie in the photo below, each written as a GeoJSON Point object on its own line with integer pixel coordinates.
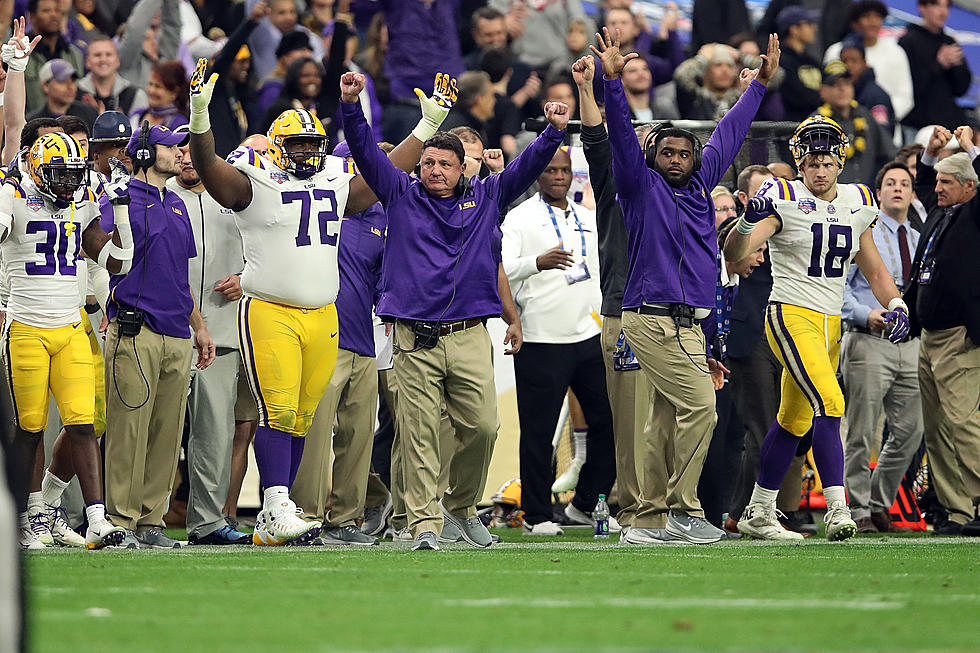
{"type": "Point", "coordinates": [903, 251]}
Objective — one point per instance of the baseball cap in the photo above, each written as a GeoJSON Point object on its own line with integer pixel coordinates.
{"type": "Point", "coordinates": [794, 16]}
{"type": "Point", "coordinates": [833, 71]}
{"type": "Point", "coordinates": [111, 126]}
{"type": "Point", "coordinates": [342, 150]}
{"type": "Point", "coordinates": [852, 42]}
{"type": "Point", "coordinates": [58, 70]}
{"type": "Point", "coordinates": [159, 135]}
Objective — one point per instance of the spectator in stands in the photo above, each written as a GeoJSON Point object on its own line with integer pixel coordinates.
{"type": "Point", "coordinates": [877, 375]}
{"type": "Point", "coordinates": [638, 83]}
{"type": "Point", "coordinates": [829, 17]}
{"type": "Point", "coordinates": [372, 57]}
{"type": "Point", "coordinates": [797, 29]}
{"type": "Point", "coordinates": [152, 35]}
{"type": "Point", "coordinates": [940, 73]}
{"type": "Point", "coordinates": [717, 21]}
{"type": "Point", "coordinates": [869, 146]}
{"type": "Point", "coordinates": [105, 15]}
{"type": "Point", "coordinates": [319, 14]}
{"type": "Point", "coordinates": [475, 105]}
{"type": "Point", "coordinates": [80, 30]}
{"type": "Point", "coordinates": [707, 84]}
{"type": "Point", "coordinates": [167, 93]}
{"type": "Point", "coordinates": [506, 123]}
{"type": "Point", "coordinates": [560, 89]}
{"type": "Point", "coordinates": [293, 46]}
{"type": "Point", "coordinates": [944, 308]}
{"type": "Point", "coordinates": [909, 155]}
{"type": "Point", "coordinates": [725, 206]}
{"type": "Point", "coordinates": [543, 31]}
{"type": "Point", "coordinates": [46, 18]}
{"type": "Point", "coordinates": [110, 138]}
{"type": "Point", "coordinates": [342, 30]}
{"type": "Point", "coordinates": [781, 169]}
{"type": "Point", "coordinates": [867, 92]}
{"type": "Point", "coordinates": [490, 33]}
{"type": "Point", "coordinates": [57, 79]}
{"type": "Point", "coordinates": [76, 128]}
{"type": "Point", "coordinates": [577, 46]}
{"type": "Point", "coordinates": [304, 80]}
{"type": "Point", "coordinates": [283, 18]}
{"type": "Point", "coordinates": [103, 81]}
{"type": "Point", "coordinates": [883, 54]}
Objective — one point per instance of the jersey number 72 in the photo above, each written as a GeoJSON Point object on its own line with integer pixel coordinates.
{"type": "Point", "coordinates": [321, 196]}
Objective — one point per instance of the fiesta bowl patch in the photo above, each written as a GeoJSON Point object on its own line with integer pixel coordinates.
{"type": "Point", "coordinates": [807, 205]}
{"type": "Point", "coordinates": [35, 203]}
{"type": "Point", "coordinates": [278, 176]}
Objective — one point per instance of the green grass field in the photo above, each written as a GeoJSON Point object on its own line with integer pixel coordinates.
{"type": "Point", "coordinates": [573, 594]}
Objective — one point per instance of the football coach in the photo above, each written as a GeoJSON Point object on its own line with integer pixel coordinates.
{"type": "Point", "coordinates": [439, 286]}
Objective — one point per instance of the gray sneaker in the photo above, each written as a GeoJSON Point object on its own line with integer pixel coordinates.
{"type": "Point", "coordinates": [347, 535]}
{"type": "Point", "coordinates": [376, 519]}
{"type": "Point", "coordinates": [645, 536]}
{"type": "Point", "coordinates": [696, 530]}
{"type": "Point", "coordinates": [450, 532]}
{"type": "Point", "coordinates": [154, 538]}
{"type": "Point", "coordinates": [129, 541]}
{"type": "Point", "coordinates": [471, 530]}
{"type": "Point", "coordinates": [426, 541]}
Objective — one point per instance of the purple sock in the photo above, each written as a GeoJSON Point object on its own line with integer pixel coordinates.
{"type": "Point", "coordinates": [828, 452]}
{"type": "Point", "coordinates": [296, 456]}
{"type": "Point", "coordinates": [775, 456]}
{"type": "Point", "coordinates": [272, 456]}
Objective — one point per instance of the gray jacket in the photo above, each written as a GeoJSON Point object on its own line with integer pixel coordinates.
{"type": "Point", "coordinates": [135, 66]}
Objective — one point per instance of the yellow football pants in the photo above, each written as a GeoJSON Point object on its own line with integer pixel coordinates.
{"type": "Point", "coordinates": [98, 363]}
{"type": "Point", "coordinates": [56, 360]}
{"type": "Point", "coordinates": [289, 356]}
{"type": "Point", "coordinates": [807, 343]}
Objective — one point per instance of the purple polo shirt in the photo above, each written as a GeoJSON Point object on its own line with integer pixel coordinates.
{"type": "Point", "coordinates": [163, 243]}
{"type": "Point", "coordinates": [359, 259]}
{"type": "Point", "coordinates": [432, 240]}
{"type": "Point", "coordinates": [422, 41]}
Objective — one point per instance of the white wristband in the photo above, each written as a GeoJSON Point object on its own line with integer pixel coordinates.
{"type": "Point", "coordinates": [424, 130]}
{"type": "Point", "coordinates": [898, 302]}
{"type": "Point", "coordinates": [744, 227]}
{"type": "Point", "coordinates": [1, 98]}
{"type": "Point", "coordinates": [200, 121]}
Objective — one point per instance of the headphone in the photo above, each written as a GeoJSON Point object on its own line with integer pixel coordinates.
{"type": "Point", "coordinates": [146, 154]}
{"type": "Point", "coordinates": [650, 150]}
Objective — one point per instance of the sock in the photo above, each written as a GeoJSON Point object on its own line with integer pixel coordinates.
{"type": "Point", "coordinates": [35, 501]}
{"type": "Point", "coordinates": [272, 456]}
{"type": "Point", "coordinates": [579, 437]}
{"type": "Point", "coordinates": [296, 455]}
{"type": "Point", "coordinates": [22, 520]}
{"type": "Point", "coordinates": [95, 512]}
{"type": "Point", "coordinates": [762, 495]}
{"type": "Point", "coordinates": [775, 456]}
{"type": "Point", "coordinates": [52, 488]}
{"type": "Point", "coordinates": [828, 451]}
{"type": "Point", "coordinates": [834, 494]}
{"type": "Point", "coordinates": [274, 495]}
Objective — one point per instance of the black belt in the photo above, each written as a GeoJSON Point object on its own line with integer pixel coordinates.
{"type": "Point", "coordinates": [661, 311]}
{"type": "Point", "coordinates": [865, 330]}
{"type": "Point", "coordinates": [446, 328]}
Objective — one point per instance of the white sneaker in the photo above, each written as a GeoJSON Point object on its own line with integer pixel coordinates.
{"type": "Point", "coordinates": [569, 478]}
{"type": "Point", "coordinates": [61, 532]}
{"type": "Point", "coordinates": [283, 523]}
{"type": "Point", "coordinates": [645, 536]}
{"type": "Point", "coordinates": [840, 526]}
{"type": "Point", "coordinates": [39, 524]}
{"type": "Point", "coordinates": [103, 533]}
{"type": "Point", "coordinates": [576, 516]}
{"type": "Point", "coordinates": [761, 521]}
{"type": "Point", "coordinates": [544, 528]}
{"type": "Point", "coordinates": [28, 538]}
{"type": "Point", "coordinates": [261, 535]}
{"type": "Point", "coordinates": [403, 535]}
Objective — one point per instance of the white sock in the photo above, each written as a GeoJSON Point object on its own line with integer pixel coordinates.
{"type": "Point", "coordinates": [275, 495]}
{"type": "Point", "coordinates": [95, 513]}
{"type": "Point", "coordinates": [35, 501]}
{"type": "Point", "coordinates": [579, 437]}
{"type": "Point", "coordinates": [22, 520]}
{"type": "Point", "coordinates": [834, 494]}
{"type": "Point", "coordinates": [52, 488]}
{"type": "Point", "coordinates": [763, 496]}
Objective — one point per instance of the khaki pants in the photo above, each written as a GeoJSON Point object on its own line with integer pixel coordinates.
{"type": "Point", "coordinates": [629, 399]}
{"type": "Point", "coordinates": [143, 438]}
{"type": "Point", "coordinates": [458, 369]}
{"type": "Point", "coordinates": [348, 409]}
{"type": "Point", "coordinates": [949, 383]}
{"type": "Point", "coordinates": [683, 415]}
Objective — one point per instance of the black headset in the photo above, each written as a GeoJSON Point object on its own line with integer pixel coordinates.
{"type": "Point", "coordinates": [463, 185]}
{"type": "Point", "coordinates": [650, 147]}
{"type": "Point", "coordinates": [146, 154]}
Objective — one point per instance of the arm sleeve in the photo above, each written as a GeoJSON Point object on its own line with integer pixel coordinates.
{"type": "Point", "coordinates": [381, 175]}
{"type": "Point", "coordinates": [169, 30]}
{"type": "Point", "coordinates": [595, 144]}
{"type": "Point", "coordinates": [959, 79]}
{"type": "Point", "coordinates": [131, 44]}
{"type": "Point", "coordinates": [729, 135]}
{"type": "Point", "coordinates": [629, 167]}
{"type": "Point", "coordinates": [853, 311]}
{"type": "Point", "coordinates": [526, 168]}
{"type": "Point", "coordinates": [226, 57]}
{"type": "Point", "coordinates": [333, 68]}
{"type": "Point", "coordinates": [517, 264]}
{"type": "Point", "coordinates": [925, 182]}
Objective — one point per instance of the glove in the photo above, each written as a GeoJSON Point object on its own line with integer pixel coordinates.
{"type": "Point", "coordinates": [200, 93]}
{"type": "Point", "coordinates": [897, 320]}
{"type": "Point", "coordinates": [117, 189]}
{"type": "Point", "coordinates": [757, 210]}
{"type": "Point", "coordinates": [16, 56]}
{"type": "Point", "coordinates": [435, 108]}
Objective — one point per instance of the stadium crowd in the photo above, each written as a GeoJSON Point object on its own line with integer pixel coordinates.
{"type": "Point", "coordinates": [697, 309]}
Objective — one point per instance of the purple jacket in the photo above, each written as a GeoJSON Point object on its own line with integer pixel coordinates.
{"type": "Point", "coordinates": [422, 41]}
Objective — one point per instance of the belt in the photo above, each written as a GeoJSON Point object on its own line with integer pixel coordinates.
{"type": "Point", "coordinates": [446, 328]}
{"type": "Point", "coordinates": [662, 311]}
{"type": "Point", "coordinates": [866, 331]}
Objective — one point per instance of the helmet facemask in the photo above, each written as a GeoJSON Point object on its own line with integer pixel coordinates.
{"type": "Point", "coordinates": [307, 159]}
{"type": "Point", "coordinates": [822, 137]}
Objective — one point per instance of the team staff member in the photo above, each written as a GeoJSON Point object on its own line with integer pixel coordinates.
{"type": "Point", "coordinates": [671, 224]}
{"type": "Point", "coordinates": [442, 346]}
{"type": "Point", "coordinates": [213, 278]}
{"type": "Point", "coordinates": [148, 344]}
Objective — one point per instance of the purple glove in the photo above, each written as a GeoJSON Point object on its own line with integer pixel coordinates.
{"type": "Point", "coordinates": [758, 209]}
{"type": "Point", "coordinates": [898, 320]}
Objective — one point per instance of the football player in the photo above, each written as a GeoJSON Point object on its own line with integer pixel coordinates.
{"type": "Point", "coordinates": [815, 228]}
{"type": "Point", "coordinates": [288, 210]}
{"type": "Point", "coordinates": [46, 219]}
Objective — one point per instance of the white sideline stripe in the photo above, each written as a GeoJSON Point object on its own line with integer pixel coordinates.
{"type": "Point", "coordinates": [677, 602]}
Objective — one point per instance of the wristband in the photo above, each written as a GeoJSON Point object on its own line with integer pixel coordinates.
{"type": "Point", "coordinates": [1, 98]}
{"type": "Point", "coordinates": [200, 121]}
{"type": "Point", "coordinates": [744, 227]}
{"type": "Point", "coordinates": [898, 302]}
{"type": "Point", "coordinates": [424, 130]}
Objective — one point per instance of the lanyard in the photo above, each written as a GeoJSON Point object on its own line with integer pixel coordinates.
{"type": "Point", "coordinates": [938, 231]}
{"type": "Point", "coordinates": [578, 225]}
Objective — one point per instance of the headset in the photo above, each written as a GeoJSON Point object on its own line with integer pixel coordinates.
{"type": "Point", "coordinates": [146, 154]}
{"type": "Point", "coordinates": [650, 149]}
{"type": "Point", "coordinates": [462, 187]}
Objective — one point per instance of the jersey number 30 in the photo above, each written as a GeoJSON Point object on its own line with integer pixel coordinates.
{"type": "Point", "coordinates": [839, 243]}
{"type": "Point", "coordinates": [54, 247]}
{"type": "Point", "coordinates": [323, 218]}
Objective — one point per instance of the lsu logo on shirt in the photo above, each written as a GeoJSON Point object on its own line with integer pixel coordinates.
{"type": "Point", "coordinates": [468, 205]}
{"type": "Point", "coordinates": [376, 232]}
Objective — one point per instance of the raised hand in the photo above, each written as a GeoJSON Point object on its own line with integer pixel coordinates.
{"type": "Point", "coordinates": [938, 140]}
{"type": "Point", "coordinates": [200, 92]}
{"type": "Point", "coordinates": [494, 159]}
{"type": "Point", "coordinates": [745, 78]}
{"type": "Point", "coordinates": [583, 71]}
{"type": "Point", "coordinates": [351, 85]}
{"type": "Point", "coordinates": [758, 209]}
{"type": "Point", "coordinates": [770, 61]}
{"type": "Point", "coordinates": [608, 52]}
{"type": "Point", "coordinates": [18, 49]}
{"type": "Point", "coordinates": [557, 114]}
{"type": "Point", "coordinates": [259, 11]}
{"type": "Point", "coordinates": [964, 136]}
{"type": "Point", "coordinates": [118, 186]}
{"type": "Point", "coordinates": [899, 321]}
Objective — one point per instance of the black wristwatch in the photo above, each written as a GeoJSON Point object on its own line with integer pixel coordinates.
{"type": "Point", "coordinates": [120, 201]}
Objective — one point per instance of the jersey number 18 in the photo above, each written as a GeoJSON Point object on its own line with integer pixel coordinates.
{"type": "Point", "coordinates": [837, 252]}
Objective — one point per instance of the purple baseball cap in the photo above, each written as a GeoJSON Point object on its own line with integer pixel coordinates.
{"type": "Point", "coordinates": [342, 150]}
{"type": "Point", "coordinates": [57, 69]}
{"type": "Point", "coordinates": [159, 135]}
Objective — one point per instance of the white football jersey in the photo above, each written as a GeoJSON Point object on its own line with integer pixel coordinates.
{"type": "Point", "coordinates": [42, 257]}
{"type": "Point", "coordinates": [813, 249]}
{"type": "Point", "coordinates": [291, 230]}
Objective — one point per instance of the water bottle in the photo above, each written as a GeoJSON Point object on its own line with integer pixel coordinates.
{"type": "Point", "coordinates": [601, 517]}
